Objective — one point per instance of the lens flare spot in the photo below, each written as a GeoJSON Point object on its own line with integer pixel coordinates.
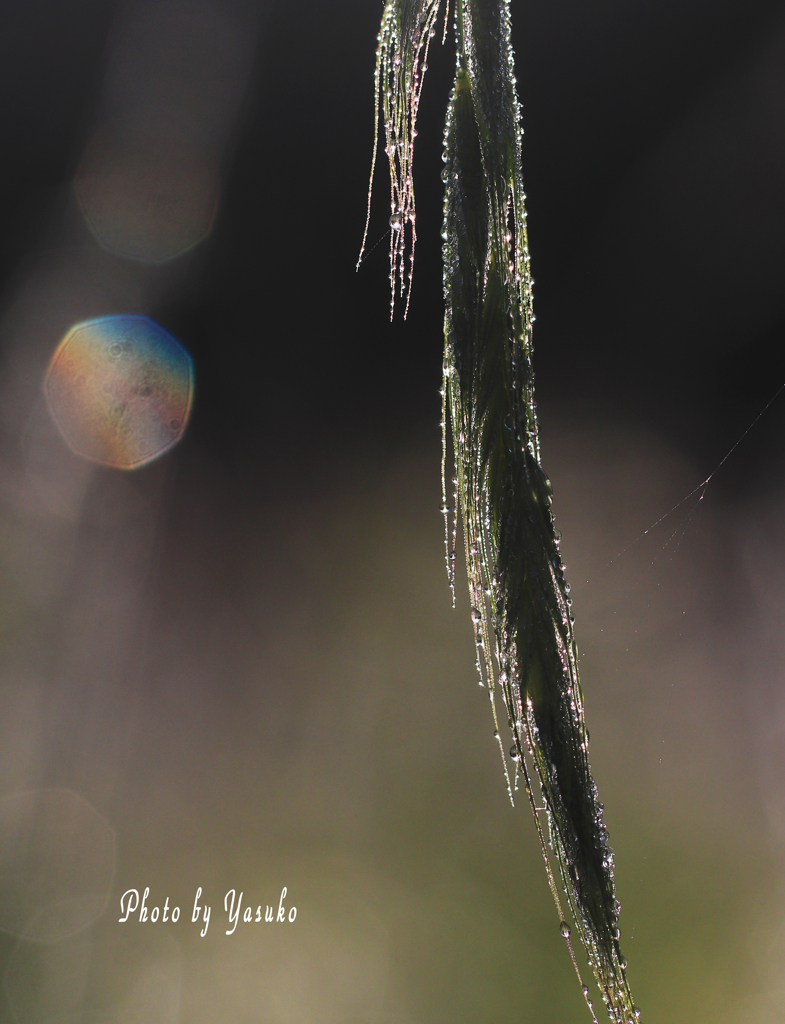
{"type": "Point", "coordinates": [120, 390]}
{"type": "Point", "coordinates": [148, 195]}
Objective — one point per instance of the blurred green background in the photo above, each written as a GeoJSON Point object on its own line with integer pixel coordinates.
{"type": "Point", "coordinates": [241, 661]}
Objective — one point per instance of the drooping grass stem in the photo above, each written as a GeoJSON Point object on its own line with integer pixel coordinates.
{"type": "Point", "coordinates": [520, 604]}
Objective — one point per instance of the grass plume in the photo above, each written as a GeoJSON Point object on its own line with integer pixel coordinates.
{"type": "Point", "coordinates": [520, 603]}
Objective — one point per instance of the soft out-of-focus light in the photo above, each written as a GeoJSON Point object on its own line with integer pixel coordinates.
{"type": "Point", "coordinates": [45, 982]}
{"type": "Point", "coordinates": [148, 180]}
{"type": "Point", "coordinates": [120, 390]}
{"type": "Point", "coordinates": [125, 975]}
{"type": "Point", "coordinates": [57, 858]}
{"type": "Point", "coordinates": [149, 193]}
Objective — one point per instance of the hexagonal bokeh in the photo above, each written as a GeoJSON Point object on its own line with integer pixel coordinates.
{"type": "Point", "coordinates": [120, 390]}
{"type": "Point", "coordinates": [148, 195]}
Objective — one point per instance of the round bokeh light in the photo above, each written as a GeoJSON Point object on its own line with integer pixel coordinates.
{"type": "Point", "coordinates": [147, 195]}
{"type": "Point", "coordinates": [120, 390]}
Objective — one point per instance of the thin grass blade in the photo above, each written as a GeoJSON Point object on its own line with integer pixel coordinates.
{"type": "Point", "coordinates": [408, 27]}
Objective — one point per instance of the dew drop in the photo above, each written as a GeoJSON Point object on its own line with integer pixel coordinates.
{"type": "Point", "coordinates": [514, 755]}
{"type": "Point", "coordinates": [564, 928]}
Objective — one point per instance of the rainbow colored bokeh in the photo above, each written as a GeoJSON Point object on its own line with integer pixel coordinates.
{"type": "Point", "coordinates": [120, 389]}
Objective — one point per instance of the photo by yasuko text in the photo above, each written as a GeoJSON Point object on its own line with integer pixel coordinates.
{"type": "Point", "coordinates": [132, 908]}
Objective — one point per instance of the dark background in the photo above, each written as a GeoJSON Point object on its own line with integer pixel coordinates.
{"type": "Point", "coordinates": [243, 657]}
{"type": "Point", "coordinates": [653, 158]}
